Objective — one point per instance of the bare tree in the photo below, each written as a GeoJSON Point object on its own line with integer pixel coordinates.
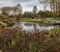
{"type": "Point", "coordinates": [44, 3]}
{"type": "Point", "coordinates": [18, 10]}
{"type": "Point", "coordinates": [54, 6]}
{"type": "Point", "coordinates": [59, 6]}
{"type": "Point", "coordinates": [35, 10]}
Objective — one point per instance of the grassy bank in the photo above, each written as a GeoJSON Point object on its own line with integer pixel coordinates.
{"type": "Point", "coordinates": [44, 21]}
{"type": "Point", "coordinates": [38, 20]}
{"type": "Point", "coordinates": [56, 30]}
{"type": "Point", "coordinates": [5, 21]}
{"type": "Point", "coordinates": [30, 20]}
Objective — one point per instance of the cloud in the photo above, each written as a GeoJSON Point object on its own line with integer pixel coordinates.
{"type": "Point", "coordinates": [22, 0]}
{"type": "Point", "coordinates": [4, 3]}
{"type": "Point", "coordinates": [27, 5]}
{"type": "Point", "coordinates": [31, 4]}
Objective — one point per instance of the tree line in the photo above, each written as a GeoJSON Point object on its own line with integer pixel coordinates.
{"type": "Point", "coordinates": [54, 6]}
{"type": "Point", "coordinates": [17, 11]}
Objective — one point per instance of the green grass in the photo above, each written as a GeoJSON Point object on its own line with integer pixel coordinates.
{"type": "Point", "coordinates": [31, 20]}
{"type": "Point", "coordinates": [6, 20]}
{"type": "Point", "coordinates": [0, 50]}
{"type": "Point", "coordinates": [44, 21]}
{"type": "Point", "coordinates": [55, 30]}
{"type": "Point", "coordinates": [1, 26]}
{"type": "Point", "coordinates": [38, 20]}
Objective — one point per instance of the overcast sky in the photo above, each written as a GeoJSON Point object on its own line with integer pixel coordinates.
{"type": "Point", "coordinates": [27, 5]}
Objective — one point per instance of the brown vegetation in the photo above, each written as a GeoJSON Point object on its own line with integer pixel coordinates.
{"type": "Point", "coordinates": [26, 42]}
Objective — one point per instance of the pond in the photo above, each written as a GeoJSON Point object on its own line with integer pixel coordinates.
{"type": "Point", "coordinates": [32, 26]}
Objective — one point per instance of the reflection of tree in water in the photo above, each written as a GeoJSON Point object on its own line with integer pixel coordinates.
{"type": "Point", "coordinates": [35, 27]}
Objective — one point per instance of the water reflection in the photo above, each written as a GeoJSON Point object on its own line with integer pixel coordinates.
{"type": "Point", "coordinates": [31, 26]}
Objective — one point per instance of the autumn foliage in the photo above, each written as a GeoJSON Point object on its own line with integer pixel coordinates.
{"type": "Point", "coordinates": [18, 41]}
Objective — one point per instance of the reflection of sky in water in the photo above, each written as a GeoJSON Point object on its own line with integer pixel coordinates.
{"type": "Point", "coordinates": [28, 27]}
{"type": "Point", "coordinates": [31, 27]}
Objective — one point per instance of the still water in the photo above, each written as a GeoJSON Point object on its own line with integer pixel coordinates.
{"type": "Point", "coordinates": [31, 26]}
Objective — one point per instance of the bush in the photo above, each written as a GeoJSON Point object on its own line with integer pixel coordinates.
{"type": "Point", "coordinates": [18, 41]}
